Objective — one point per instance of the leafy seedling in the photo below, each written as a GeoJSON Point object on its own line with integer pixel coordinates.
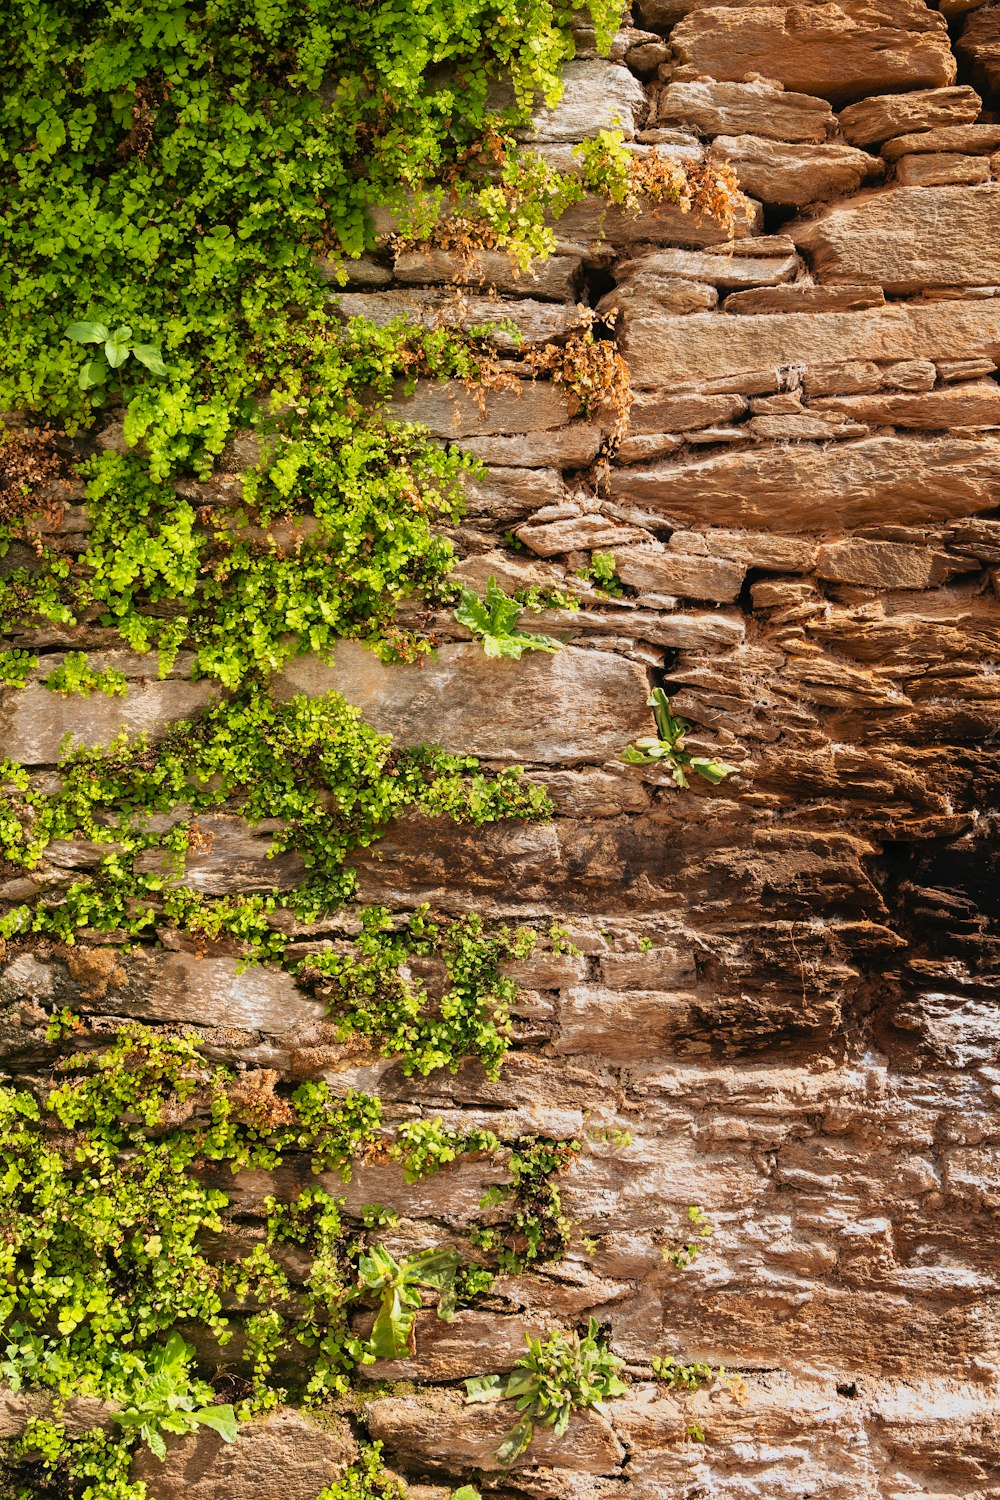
{"type": "Point", "coordinates": [118, 346]}
{"type": "Point", "coordinates": [667, 746]}
{"type": "Point", "coordinates": [494, 621]}
{"type": "Point", "coordinates": [396, 1287]}
{"type": "Point", "coordinates": [559, 1375]}
{"type": "Point", "coordinates": [168, 1400]}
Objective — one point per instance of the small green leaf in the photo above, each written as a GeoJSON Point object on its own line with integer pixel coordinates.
{"type": "Point", "coordinates": [516, 1441]}
{"type": "Point", "coordinates": [115, 353]}
{"type": "Point", "coordinates": [94, 372]}
{"type": "Point", "coordinates": [149, 356]}
{"type": "Point", "coordinates": [483, 1388]}
{"type": "Point", "coordinates": [467, 1492]}
{"type": "Point", "coordinates": [87, 333]}
{"type": "Point", "coordinates": [221, 1419]}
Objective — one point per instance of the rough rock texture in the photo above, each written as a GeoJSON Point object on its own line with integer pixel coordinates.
{"type": "Point", "coordinates": [784, 988]}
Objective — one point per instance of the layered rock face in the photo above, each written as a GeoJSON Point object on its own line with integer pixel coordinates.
{"type": "Point", "coordinates": [780, 988]}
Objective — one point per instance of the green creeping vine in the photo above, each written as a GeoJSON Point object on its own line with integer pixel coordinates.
{"type": "Point", "coordinates": [108, 1194]}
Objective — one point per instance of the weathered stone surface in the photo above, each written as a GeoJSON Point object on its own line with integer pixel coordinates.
{"type": "Point", "coordinates": [640, 278]}
{"type": "Point", "coordinates": [756, 109]}
{"type": "Point", "coordinates": [664, 351]}
{"type": "Point", "coordinates": [652, 412]}
{"type": "Point", "coordinates": [976, 405]}
{"type": "Point", "coordinates": [597, 95]}
{"type": "Point", "coordinates": [570, 447]}
{"type": "Point", "coordinates": [217, 992]}
{"type": "Point", "coordinates": [794, 175]}
{"type": "Point", "coordinates": [875, 120]}
{"type": "Point", "coordinates": [979, 47]}
{"type": "Point", "coordinates": [909, 238]}
{"type": "Point", "coordinates": [972, 140]}
{"type": "Point", "coordinates": [748, 548]}
{"type": "Point", "coordinates": [657, 571]}
{"type": "Point", "coordinates": [455, 307]}
{"type": "Point", "coordinates": [936, 169]}
{"type": "Point", "coordinates": [554, 278]}
{"type": "Point", "coordinates": [504, 710]}
{"type": "Point", "coordinates": [885, 565]}
{"type": "Point", "coordinates": [842, 52]}
{"type": "Point", "coordinates": [812, 489]}
{"type": "Point", "coordinates": [451, 410]}
{"type": "Point", "coordinates": [669, 293]}
{"type": "Point", "coordinates": [802, 297]}
{"type": "Point", "coordinates": [595, 226]}
{"type": "Point", "coordinates": [35, 721]}
{"type": "Point", "coordinates": [284, 1452]}
{"type": "Point", "coordinates": [576, 533]}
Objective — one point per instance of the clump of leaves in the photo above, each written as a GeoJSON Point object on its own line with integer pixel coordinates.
{"type": "Point", "coordinates": [76, 675]}
{"type": "Point", "coordinates": [494, 621]}
{"type": "Point", "coordinates": [685, 1255]}
{"type": "Point", "coordinates": [16, 667]}
{"type": "Point", "coordinates": [667, 746]}
{"type": "Point", "coordinates": [590, 365]}
{"type": "Point", "coordinates": [119, 344]}
{"type": "Point", "coordinates": [395, 1285]}
{"type": "Point", "coordinates": [635, 179]}
{"type": "Point", "coordinates": [601, 572]}
{"type": "Point", "coordinates": [169, 1399]}
{"type": "Point", "coordinates": [560, 1374]}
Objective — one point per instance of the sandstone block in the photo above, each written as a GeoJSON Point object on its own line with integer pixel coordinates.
{"type": "Point", "coordinates": [979, 47]}
{"type": "Point", "coordinates": [974, 405]}
{"type": "Point", "coordinates": [577, 533]}
{"type": "Point", "coordinates": [668, 352]}
{"type": "Point", "coordinates": [840, 52]}
{"type": "Point", "coordinates": [652, 412]}
{"type": "Point", "coordinates": [473, 1343]}
{"type": "Point", "coordinates": [574, 446]}
{"type": "Point", "coordinates": [283, 1454]}
{"type": "Point", "coordinates": [801, 297]}
{"type": "Point", "coordinates": [215, 992]}
{"type": "Point", "coordinates": [574, 705]}
{"type": "Point", "coordinates": [666, 293]}
{"type": "Point", "coordinates": [34, 721]}
{"type": "Point", "coordinates": [596, 95]}
{"type": "Point", "coordinates": [554, 278]}
{"type": "Point", "coordinates": [882, 565]}
{"type": "Point", "coordinates": [748, 548]}
{"type": "Point", "coordinates": [875, 120]}
{"type": "Point", "coordinates": [813, 489]}
{"type": "Point", "coordinates": [794, 175]}
{"type": "Point", "coordinates": [506, 495]}
{"type": "Point", "coordinates": [642, 276]}
{"type": "Point", "coordinates": [938, 168]}
{"type": "Point", "coordinates": [536, 321]}
{"type": "Point", "coordinates": [594, 225]}
{"type": "Point", "coordinates": [971, 140]}
{"type": "Point", "coordinates": [656, 571]}
{"type": "Point", "coordinates": [794, 427]}
{"type": "Point", "coordinates": [756, 109]}
{"type": "Point", "coordinates": [909, 238]}
{"type": "Point", "coordinates": [452, 411]}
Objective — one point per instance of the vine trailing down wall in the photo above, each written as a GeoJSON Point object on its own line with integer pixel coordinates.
{"type": "Point", "coordinates": [498, 583]}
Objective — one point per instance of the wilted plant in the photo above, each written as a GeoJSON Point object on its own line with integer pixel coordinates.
{"type": "Point", "coordinates": [559, 1374]}
{"type": "Point", "coordinates": [668, 746]}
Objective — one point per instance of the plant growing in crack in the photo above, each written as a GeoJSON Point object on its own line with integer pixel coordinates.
{"type": "Point", "coordinates": [395, 1286]}
{"type": "Point", "coordinates": [494, 621]}
{"type": "Point", "coordinates": [119, 344]}
{"type": "Point", "coordinates": [667, 746]}
{"type": "Point", "coordinates": [560, 1374]}
{"type": "Point", "coordinates": [169, 1399]}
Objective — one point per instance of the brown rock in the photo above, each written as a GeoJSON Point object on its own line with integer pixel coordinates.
{"type": "Point", "coordinates": [797, 427]}
{"type": "Point", "coordinates": [956, 406]}
{"type": "Point", "coordinates": [652, 412]}
{"type": "Point", "coordinates": [840, 52]}
{"type": "Point", "coordinates": [34, 721]}
{"type": "Point", "coordinates": [801, 297]}
{"type": "Point", "coordinates": [554, 278]}
{"type": "Point", "coordinates": [594, 225]}
{"type": "Point", "coordinates": [748, 548]}
{"type": "Point", "coordinates": [596, 95]}
{"type": "Point", "coordinates": [284, 1453]}
{"type": "Point", "coordinates": [643, 447]}
{"type": "Point", "coordinates": [938, 168]}
{"type": "Point", "coordinates": [979, 47]}
{"type": "Point", "coordinates": [450, 410]}
{"type": "Point", "coordinates": [473, 1343]}
{"type": "Point", "coordinates": [909, 238]}
{"type": "Point", "coordinates": [859, 375]}
{"type": "Point", "coordinates": [504, 710]}
{"type": "Point", "coordinates": [506, 495]}
{"type": "Point", "coordinates": [668, 352]}
{"type": "Point", "coordinates": [667, 293]}
{"type": "Point", "coordinates": [455, 307]}
{"type": "Point", "coordinates": [815, 489]}
{"type": "Point", "coordinates": [574, 446]}
{"type": "Point", "coordinates": [882, 565]}
{"type": "Point", "coordinates": [654, 570]}
{"type": "Point", "coordinates": [575, 534]}
{"type": "Point", "coordinates": [795, 175]}
{"type": "Point", "coordinates": [757, 109]}
{"type": "Point", "coordinates": [875, 120]}
{"type": "Point", "coordinates": [971, 140]}
{"type": "Point", "coordinates": [216, 992]}
{"type": "Point", "coordinates": [641, 277]}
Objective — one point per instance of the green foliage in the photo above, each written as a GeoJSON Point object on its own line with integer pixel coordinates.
{"type": "Point", "coordinates": [364, 1480]}
{"type": "Point", "coordinates": [16, 667]}
{"type": "Point", "coordinates": [533, 1226]}
{"type": "Point", "coordinates": [559, 1374]}
{"type": "Point", "coordinates": [395, 1287]}
{"type": "Point", "coordinates": [494, 621]}
{"type": "Point", "coordinates": [118, 347]}
{"type": "Point", "coordinates": [425, 1146]}
{"type": "Point", "coordinates": [677, 1376]}
{"type": "Point", "coordinates": [77, 676]}
{"type": "Point", "coordinates": [667, 747]}
{"type": "Point", "coordinates": [167, 1399]}
{"type": "Point", "coordinates": [602, 574]}
{"type": "Point", "coordinates": [686, 1254]}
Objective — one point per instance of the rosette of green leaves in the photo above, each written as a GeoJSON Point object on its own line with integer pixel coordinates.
{"type": "Point", "coordinates": [169, 1399]}
{"type": "Point", "coordinates": [560, 1374]}
{"type": "Point", "coordinates": [396, 1287]}
{"type": "Point", "coordinates": [494, 621]}
{"type": "Point", "coordinates": [667, 745]}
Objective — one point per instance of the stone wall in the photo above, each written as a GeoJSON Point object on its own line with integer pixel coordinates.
{"type": "Point", "coordinates": [782, 985]}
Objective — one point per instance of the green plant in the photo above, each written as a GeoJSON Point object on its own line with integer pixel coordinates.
{"type": "Point", "coordinates": [494, 621]}
{"type": "Point", "coordinates": [687, 1253]}
{"type": "Point", "coordinates": [76, 675]}
{"type": "Point", "coordinates": [118, 346]}
{"type": "Point", "coordinates": [168, 1399]}
{"type": "Point", "coordinates": [667, 747]}
{"type": "Point", "coordinates": [16, 667]}
{"type": "Point", "coordinates": [560, 1374]}
{"type": "Point", "coordinates": [601, 572]}
{"type": "Point", "coordinates": [395, 1286]}
{"type": "Point", "coordinates": [365, 1479]}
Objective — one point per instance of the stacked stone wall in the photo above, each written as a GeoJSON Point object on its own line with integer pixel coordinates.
{"type": "Point", "coordinates": [782, 986]}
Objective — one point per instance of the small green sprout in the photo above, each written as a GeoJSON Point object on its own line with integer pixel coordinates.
{"type": "Point", "coordinates": [668, 746]}
{"type": "Point", "coordinates": [118, 345]}
{"type": "Point", "coordinates": [494, 621]}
